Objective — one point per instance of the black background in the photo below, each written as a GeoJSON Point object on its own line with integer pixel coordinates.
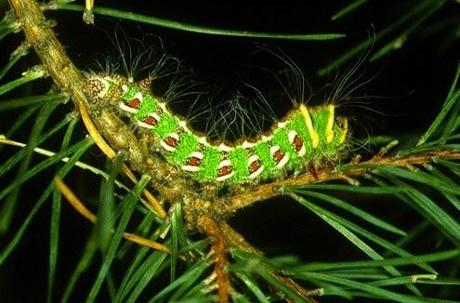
{"type": "Point", "coordinates": [410, 84]}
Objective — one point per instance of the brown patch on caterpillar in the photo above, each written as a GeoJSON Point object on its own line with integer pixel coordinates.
{"type": "Point", "coordinates": [171, 141]}
{"type": "Point", "coordinates": [278, 156]}
{"type": "Point", "coordinates": [134, 103]}
{"type": "Point", "coordinates": [254, 166]}
{"type": "Point", "coordinates": [225, 170]}
{"type": "Point", "coordinates": [150, 121]}
{"type": "Point", "coordinates": [298, 143]}
{"type": "Point", "coordinates": [193, 161]}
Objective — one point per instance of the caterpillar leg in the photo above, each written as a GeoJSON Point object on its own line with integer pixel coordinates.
{"type": "Point", "coordinates": [313, 171]}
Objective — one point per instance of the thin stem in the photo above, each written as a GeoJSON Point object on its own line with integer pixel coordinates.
{"type": "Point", "coordinates": [270, 190]}
{"type": "Point", "coordinates": [85, 212]}
{"type": "Point", "coordinates": [182, 26]}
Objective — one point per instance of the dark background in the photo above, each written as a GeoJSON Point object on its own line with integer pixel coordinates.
{"type": "Point", "coordinates": [406, 90]}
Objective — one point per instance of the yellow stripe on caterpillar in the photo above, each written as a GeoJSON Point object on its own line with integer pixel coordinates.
{"type": "Point", "coordinates": [311, 131]}
{"type": "Point", "coordinates": [330, 123]}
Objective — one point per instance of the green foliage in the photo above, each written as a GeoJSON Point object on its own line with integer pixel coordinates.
{"type": "Point", "coordinates": [416, 13]}
{"type": "Point", "coordinates": [415, 261]}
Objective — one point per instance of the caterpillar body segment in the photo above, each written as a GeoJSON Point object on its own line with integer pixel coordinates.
{"type": "Point", "coordinates": [305, 136]}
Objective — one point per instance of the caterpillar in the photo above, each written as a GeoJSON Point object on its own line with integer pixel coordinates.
{"type": "Point", "coordinates": [305, 136]}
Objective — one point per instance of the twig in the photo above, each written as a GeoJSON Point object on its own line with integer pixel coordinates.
{"type": "Point", "coordinates": [235, 240]}
{"type": "Point", "coordinates": [270, 190]}
{"type": "Point", "coordinates": [219, 249]}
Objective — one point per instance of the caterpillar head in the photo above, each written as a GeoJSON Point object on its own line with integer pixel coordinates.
{"type": "Point", "coordinates": [341, 126]}
{"type": "Point", "coordinates": [103, 87]}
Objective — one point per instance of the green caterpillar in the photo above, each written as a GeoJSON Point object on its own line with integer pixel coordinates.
{"type": "Point", "coordinates": [306, 136]}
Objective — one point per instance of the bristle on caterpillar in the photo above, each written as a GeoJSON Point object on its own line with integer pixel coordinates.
{"type": "Point", "coordinates": [305, 136]}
